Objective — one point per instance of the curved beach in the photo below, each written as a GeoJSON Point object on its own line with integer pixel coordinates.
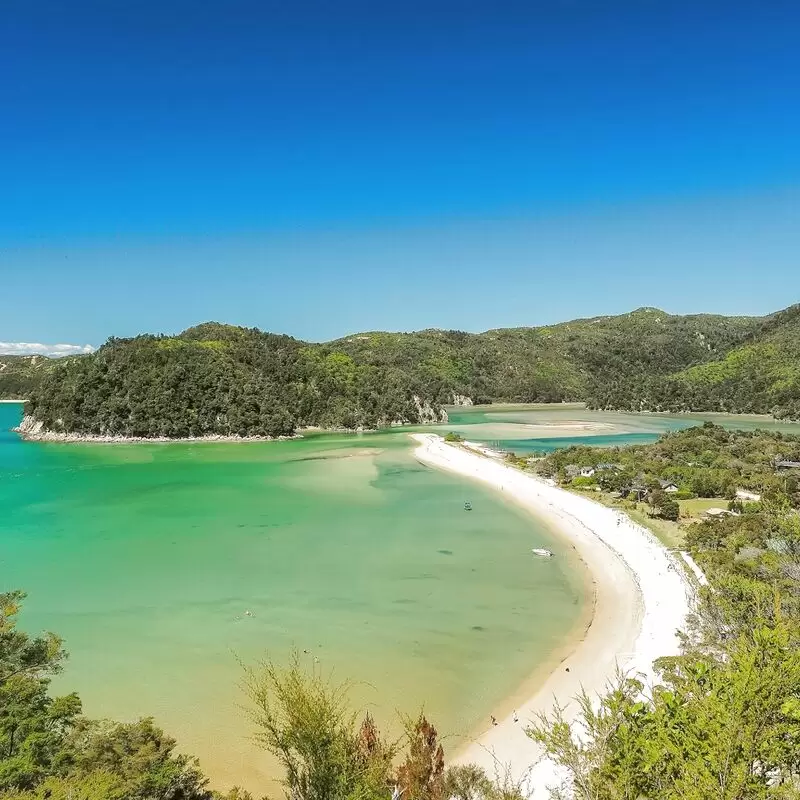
{"type": "Point", "coordinates": [642, 595]}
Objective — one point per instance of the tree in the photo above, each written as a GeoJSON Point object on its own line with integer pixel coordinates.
{"type": "Point", "coordinates": [142, 757]}
{"type": "Point", "coordinates": [19, 653]}
{"type": "Point", "coordinates": [96, 785]}
{"type": "Point", "coordinates": [467, 782]}
{"type": "Point", "coordinates": [670, 509]}
{"type": "Point", "coordinates": [470, 782]}
{"type": "Point", "coordinates": [33, 726]}
{"type": "Point", "coordinates": [716, 727]}
{"type": "Point", "coordinates": [421, 776]}
{"type": "Point", "coordinates": [304, 721]}
{"type": "Point", "coordinates": [48, 750]}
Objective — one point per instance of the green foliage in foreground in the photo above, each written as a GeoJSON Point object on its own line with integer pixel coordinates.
{"type": "Point", "coordinates": [714, 728]}
{"type": "Point", "coordinates": [49, 750]}
{"type": "Point", "coordinates": [328, 752]}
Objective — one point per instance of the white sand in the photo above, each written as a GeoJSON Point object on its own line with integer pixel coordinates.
{"type": "Point", "coordinates": [642, 596]}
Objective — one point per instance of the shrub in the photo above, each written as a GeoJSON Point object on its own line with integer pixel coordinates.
{"type": "Point", "coordinates": [669, 510]}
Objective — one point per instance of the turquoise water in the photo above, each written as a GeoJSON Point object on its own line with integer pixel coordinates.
{"type": "Point", "coordinates": [515, 427]}
{"type": "Point", "coordinates": [146, 558]}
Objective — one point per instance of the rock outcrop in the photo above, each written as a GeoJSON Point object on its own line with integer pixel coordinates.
{"type": "Point", "coordinates": [427, 413]}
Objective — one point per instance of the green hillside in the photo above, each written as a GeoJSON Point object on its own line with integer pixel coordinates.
{"type": "Point", "coordinates": [20, 374]}
{"type": "Point", "coordinates": [218, 379]}
{"type": "Point", "coordinates": [578, 360]}
{"type": "Point", "coordinates": [221, 379]}
{"type": "Point", "coordinates": [760, 376]}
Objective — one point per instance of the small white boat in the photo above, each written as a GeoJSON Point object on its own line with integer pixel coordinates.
{"type": "Point", "coordinates": [540, 551]}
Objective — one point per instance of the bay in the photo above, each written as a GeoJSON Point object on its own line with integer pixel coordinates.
{"type": "Point", "coordinates": [343, 549]}
{"type": "Point", "coordinates": [146, 558]}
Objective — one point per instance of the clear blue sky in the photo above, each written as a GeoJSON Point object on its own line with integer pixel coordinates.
{"type": "Point", "coordinates": [323, 168]}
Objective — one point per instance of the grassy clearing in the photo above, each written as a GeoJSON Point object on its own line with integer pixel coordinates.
{"type": "Point", "coordinates": [694, 509]}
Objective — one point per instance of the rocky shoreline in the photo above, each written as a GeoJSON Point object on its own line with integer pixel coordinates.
{"type": "Point", "coordinates": [33, 430]}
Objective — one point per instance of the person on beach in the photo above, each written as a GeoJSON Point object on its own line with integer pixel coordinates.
{"type": "Point", "coordinates": [516, 718]}
{"type": "Point", "coordinates": [494, 720]}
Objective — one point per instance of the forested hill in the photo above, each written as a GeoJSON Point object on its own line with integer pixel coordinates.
{"type": "Point", "coordinates": [220, 379]}
{"type": "Point", "coordinates": [569, 361]}
{"type": "Point", "coordinates": [762, 375]}
{"type": "Point", "coordinates": [19, 375]}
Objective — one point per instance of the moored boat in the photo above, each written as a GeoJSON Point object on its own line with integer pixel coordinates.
{"type": "Point", "coordinates": [541, 551]}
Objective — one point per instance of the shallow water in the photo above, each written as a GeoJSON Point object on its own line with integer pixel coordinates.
{"type": "Point", "coordinates": [517, 427]}
{"type": "Point", "coordinates": [146, 557]}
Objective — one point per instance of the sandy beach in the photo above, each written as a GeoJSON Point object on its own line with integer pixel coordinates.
{"type": "Point", "coordinates": [642, 595]}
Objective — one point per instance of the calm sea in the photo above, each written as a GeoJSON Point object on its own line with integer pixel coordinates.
{"type": "Point", "coordinates": [146, 558]}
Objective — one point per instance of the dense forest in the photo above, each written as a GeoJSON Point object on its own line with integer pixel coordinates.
{"type": "Point", "coordinates": [569, 361]}
{"type": "Point", "coordinates": [761, 375]}
{"type": "Point", "coordinates": [20, 375]}
{"type": "Point", "coordinates": [724, 720]}
{"type": "Point", "coordinates": [220, 379]}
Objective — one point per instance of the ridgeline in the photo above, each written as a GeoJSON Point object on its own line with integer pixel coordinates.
{"type": "Point", "coordinates": [221, 380]}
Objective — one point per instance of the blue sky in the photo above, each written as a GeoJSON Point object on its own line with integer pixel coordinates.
{"type": "Point", "coordinates": [323, 168]}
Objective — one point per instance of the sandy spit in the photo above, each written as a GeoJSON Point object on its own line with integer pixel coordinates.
{"type": "Point", "coordinates": [642, 596]}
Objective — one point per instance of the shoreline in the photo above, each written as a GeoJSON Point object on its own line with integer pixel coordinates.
{"type": "Point", "coordinates": [30, 430]}
{"type": "Point", "coordinates": [73, 438]}
{"type": "Point", "coordinates": [641, 597]}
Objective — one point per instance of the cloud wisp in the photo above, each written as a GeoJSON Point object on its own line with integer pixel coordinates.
{"type": "Point", "coordinates": [38, 349]}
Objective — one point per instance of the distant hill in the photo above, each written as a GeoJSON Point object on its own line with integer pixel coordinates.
{"type": "Point", "coordinates": [576, 360]}
{"type": "Point", "coordinates": [19, 375]}
{"type": "Point", "coordinates": [762, 375]}
{"type": "Point", "coordinates": [221, 379]}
